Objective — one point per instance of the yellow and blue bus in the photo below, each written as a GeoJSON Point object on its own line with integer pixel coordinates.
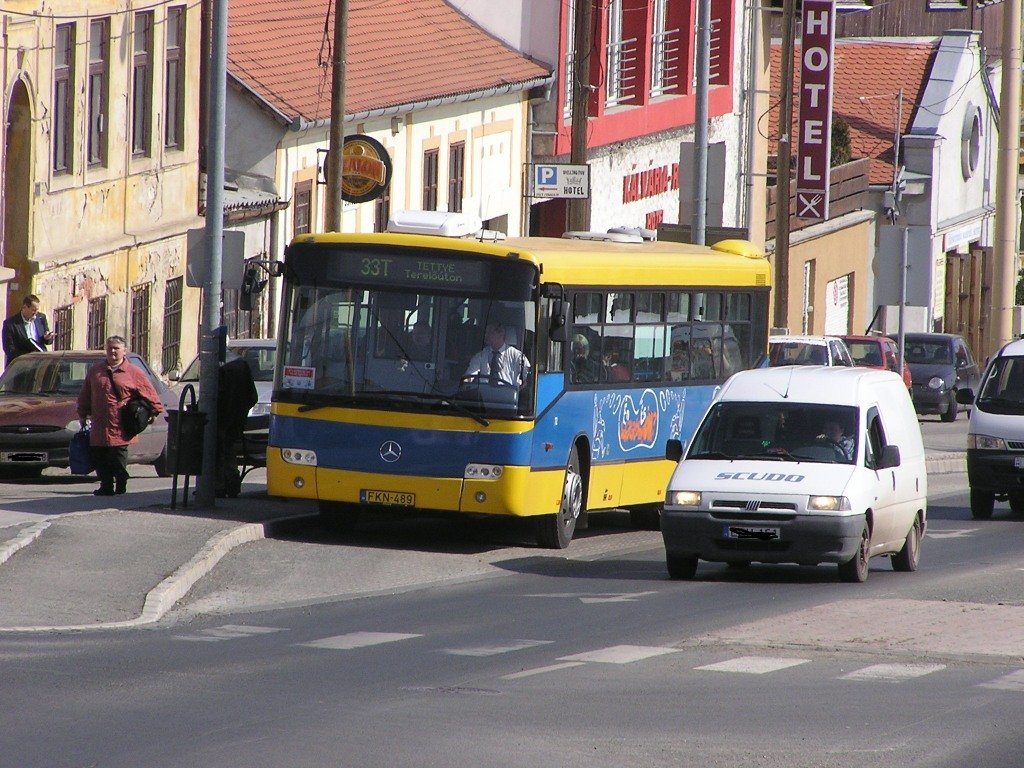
{"type": "Point", "coordinates": [384, 394]}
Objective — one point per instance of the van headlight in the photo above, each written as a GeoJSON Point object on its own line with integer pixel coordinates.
{"type": "Point", "coordinates": [936, 382]}
{"type": "Point", "coordinates": [986, 443]}
{"type": "Point", "coordinates": [828, 503]}
{"type": "Point", "coordinates": [684, 498]}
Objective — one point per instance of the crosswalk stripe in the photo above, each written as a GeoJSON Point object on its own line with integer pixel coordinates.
{"type": "Point", "coordinates": [227, 632]}
{"type": "Point", "coordinates": [620, 654]}
{"type": "Point", "coordinates": [1011, 682]}
{"type": "Point", "coordinates": [357, 640]}
{"type": "Point", "coordinates": [893, 673]}
{"type": "Point", "coordinates": [541, 670]}
{"type": "Point", "coordinates": [494, 650]}
{"type": "Point", "coordinates": [753, 665]}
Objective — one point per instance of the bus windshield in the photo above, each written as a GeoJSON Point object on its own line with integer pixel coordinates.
{"type": "Point", "coordinates": [408, 350]}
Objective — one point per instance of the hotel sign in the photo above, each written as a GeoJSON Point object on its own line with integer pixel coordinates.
{"type": "Point", "coordinates": [814, 150]}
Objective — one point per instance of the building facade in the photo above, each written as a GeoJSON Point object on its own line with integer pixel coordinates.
{"type": "Point", "coordinates": [100, 168]}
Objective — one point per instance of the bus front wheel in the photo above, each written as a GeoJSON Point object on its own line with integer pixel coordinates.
{"type": "Point", "coordinates": [555, 531]}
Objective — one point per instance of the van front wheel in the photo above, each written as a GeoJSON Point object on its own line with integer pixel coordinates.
{"type": "Point", "coordinates": [981, 504]}
{"type": "Point", "coordinates": [681, 566]}
{"type": "Point", "coordinates": [855, 569]}
{"type": "Point", "coordinates": [906, 559]}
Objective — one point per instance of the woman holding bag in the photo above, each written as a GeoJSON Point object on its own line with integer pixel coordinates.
{"type": "Point", "coordinates": [108, 386]}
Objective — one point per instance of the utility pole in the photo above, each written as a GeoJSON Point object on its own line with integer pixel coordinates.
{"type": "Point", "coordinates": [334, 203]}
{"type": "Point", "coordinates": [1005, 241]}
{"type": "Point", "coordinates": [578, 218]}
{"type": "Point", "coordinates": [209, 360]}
{"type": "Point", "coordinates": [700, 123]}
{"type": "Point", "coordinates": [782, 177]}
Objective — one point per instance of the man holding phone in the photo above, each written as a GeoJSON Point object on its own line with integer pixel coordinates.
{"type": "Point", "coordinates": [26, 331]}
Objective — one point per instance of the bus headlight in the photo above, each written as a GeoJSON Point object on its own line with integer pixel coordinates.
{"type": "Point", "coordinates": [483, 471]}
{"type": "Point", "coordinates": [828, 503]}
{"type": "Point", "coordinates": [986, 443]}
{"type": "Point", "coordinates": [684, 498]}
{"type": "Point", "coordinates": [299, 456]}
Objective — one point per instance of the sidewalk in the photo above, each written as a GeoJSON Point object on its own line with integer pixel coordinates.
{"type": "Point", "coordinates": [116, 568]}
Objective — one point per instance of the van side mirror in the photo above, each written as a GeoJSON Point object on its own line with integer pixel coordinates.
{"type": "Point", "coordinates": [965, 396]}
{"type": "Point", "coordinates": [559, 327]}
{"type": "Point", "coordinates": [674, 450]}
{"type": "Point", "coordinates": [890, 457]}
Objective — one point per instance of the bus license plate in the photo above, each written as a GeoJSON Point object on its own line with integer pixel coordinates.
{"type": "Point", "coordinates": [390, 498]}
{"type": "Point", "coordinates": [758, 533]}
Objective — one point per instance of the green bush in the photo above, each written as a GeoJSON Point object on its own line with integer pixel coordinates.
{"type": "Point", "coordinates": [841, 152]}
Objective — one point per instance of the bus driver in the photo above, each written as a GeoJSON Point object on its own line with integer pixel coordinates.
{"type": "Point", "coordinates": [498, 363]}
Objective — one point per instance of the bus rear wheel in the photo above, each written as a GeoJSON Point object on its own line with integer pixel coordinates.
{"type": "Point", "coordinates": [555, 531]}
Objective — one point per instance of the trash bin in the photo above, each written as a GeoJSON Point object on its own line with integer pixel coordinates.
{"type": "Point", "coordinates": [185, 441]}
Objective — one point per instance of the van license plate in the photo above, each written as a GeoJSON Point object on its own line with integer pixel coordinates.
{"type": "Point", "coordinates": [759, 533]}
{"type": "Point", "coordinates": [1018, 462]}
{"type": "Point", "coordinates": [390, 498]}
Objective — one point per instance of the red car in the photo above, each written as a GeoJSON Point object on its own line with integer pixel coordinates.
{"type": "Point", "coordinates": [877, 352]}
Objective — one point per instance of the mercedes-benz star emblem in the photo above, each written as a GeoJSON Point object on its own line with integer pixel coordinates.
{"type": "Point", "coordinates": [390, 451]}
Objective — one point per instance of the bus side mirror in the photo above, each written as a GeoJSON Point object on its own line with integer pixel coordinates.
{"type": "Point", "coordinates": [559, 328]}
{"type": "Point", "coordinates": [674, 450]}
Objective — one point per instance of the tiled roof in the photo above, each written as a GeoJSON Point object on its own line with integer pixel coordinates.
{"type": "Point", "coordinates": [867, 78]}
{"type": "Point", "coordinates": [397, 52]}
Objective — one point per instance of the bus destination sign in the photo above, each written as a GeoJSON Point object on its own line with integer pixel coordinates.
{"type": "Point", "coordinates": [412, 271]}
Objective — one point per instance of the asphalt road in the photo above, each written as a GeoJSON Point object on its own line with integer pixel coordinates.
{"type": "Point", "coordinates": [586, 661]}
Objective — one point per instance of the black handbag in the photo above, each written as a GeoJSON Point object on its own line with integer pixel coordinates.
{"type": "Point", "coordinates": [135, 415]}
{"type": "Point", "coordinates": [80, 460]}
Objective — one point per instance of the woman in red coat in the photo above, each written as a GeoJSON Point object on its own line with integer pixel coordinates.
{"type": "Point", "coordinates": [108, 386]}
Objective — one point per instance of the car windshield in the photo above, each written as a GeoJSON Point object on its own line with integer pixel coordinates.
{"type": "Point", "coordinates": [260, 360]}
{"type": "Point", "coordinates": [928, 352]}
{"type": "Point", "coordinates": [796, 353]}
{"type": "Point", "coordinates": [778, 432]}
{"type": "Point", "coordinates": [866, 352]}
{"type": "Point", "coordinates": [1002, 391]}
{"type": "Point", "coordinates": [51, 375]}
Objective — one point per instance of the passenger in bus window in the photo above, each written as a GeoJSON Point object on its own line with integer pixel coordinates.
{"type": "Point", "coordinates": [420, 346]}
{"type": "Point", "coordinates": [498, 363]}
{"type": "Point", "coordinates": [583, 369]}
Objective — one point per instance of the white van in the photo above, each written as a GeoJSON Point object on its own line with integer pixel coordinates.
{"type": "Point", "coordinates": [801, 465]}
{"type": "Point", "coordinates": [995, 434]}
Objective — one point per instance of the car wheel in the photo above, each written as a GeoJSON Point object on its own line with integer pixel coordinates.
{"type": "Point", "coordinates": [681, 567]}
{"type": "Point", "coordinates": [982, 503]}
{"type": "Point", "coordinates": [951, 408]}
{"type": "Point", "coordinates": [855, 569]}
{"type": "Point", "coordinates": [556, 531]}
{"type": "Point", "coordinates": [906, 559]}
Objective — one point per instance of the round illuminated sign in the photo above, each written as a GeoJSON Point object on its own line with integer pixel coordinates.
{"type": "Point", "coordinates": [365, 169]}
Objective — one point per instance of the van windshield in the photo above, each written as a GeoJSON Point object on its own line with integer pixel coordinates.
{"type": "Point", "coordinates": [778, 432]}
{"type": "Point", "coordinates": [1002, 391]}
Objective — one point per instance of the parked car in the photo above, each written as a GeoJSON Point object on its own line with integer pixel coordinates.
{"type": "Point", "coordinates": [875, 351]}
{"type": "Point", "coordinates": [940, 365]}
{"type": "Point", "coordinates": [39, 412]}
{"type": "Point", "coordinates": [260, 354]}
{"type": "Point", "coordinates": [808, 350]}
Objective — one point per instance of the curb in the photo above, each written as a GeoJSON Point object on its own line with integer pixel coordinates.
{"type": "Point", "coordinates": [946, 464]}
{"type": "Point", "coordinates": [168, 592]}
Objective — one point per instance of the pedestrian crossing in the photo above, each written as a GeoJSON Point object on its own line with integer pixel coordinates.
{"type": "Point", "coordinates": [888, 673]}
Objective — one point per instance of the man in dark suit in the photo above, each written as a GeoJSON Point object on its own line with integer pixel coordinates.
{"type": "Point", "coordinates": [26, 331]}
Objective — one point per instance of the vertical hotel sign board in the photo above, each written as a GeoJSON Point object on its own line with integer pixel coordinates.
{"type": "Point", "coordinates": [817, 25]}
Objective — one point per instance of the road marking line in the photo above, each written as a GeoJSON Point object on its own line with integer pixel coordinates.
{"type": "Point", "coordinates": [357, 640]}
{"type": "Point", "coordinates": [620, 654]}
{"type": "Point", "coordinates": [1011, 682]}
{"type": "Point", "coordinates": [541, 670]}
{"type": "Point", "coordinates": [227, 632]}
{"type": "Point", "coordinates": [892, 673]}
{"type": "Point", "coordinates": [494, 650]}
{"type": "Point", "coordinates": [956, 533]}
{"type": "Point", "coordinates": [753, 665]}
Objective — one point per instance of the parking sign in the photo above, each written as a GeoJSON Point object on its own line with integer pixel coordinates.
{"type": "Point", "coordinates": [561, 180]}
